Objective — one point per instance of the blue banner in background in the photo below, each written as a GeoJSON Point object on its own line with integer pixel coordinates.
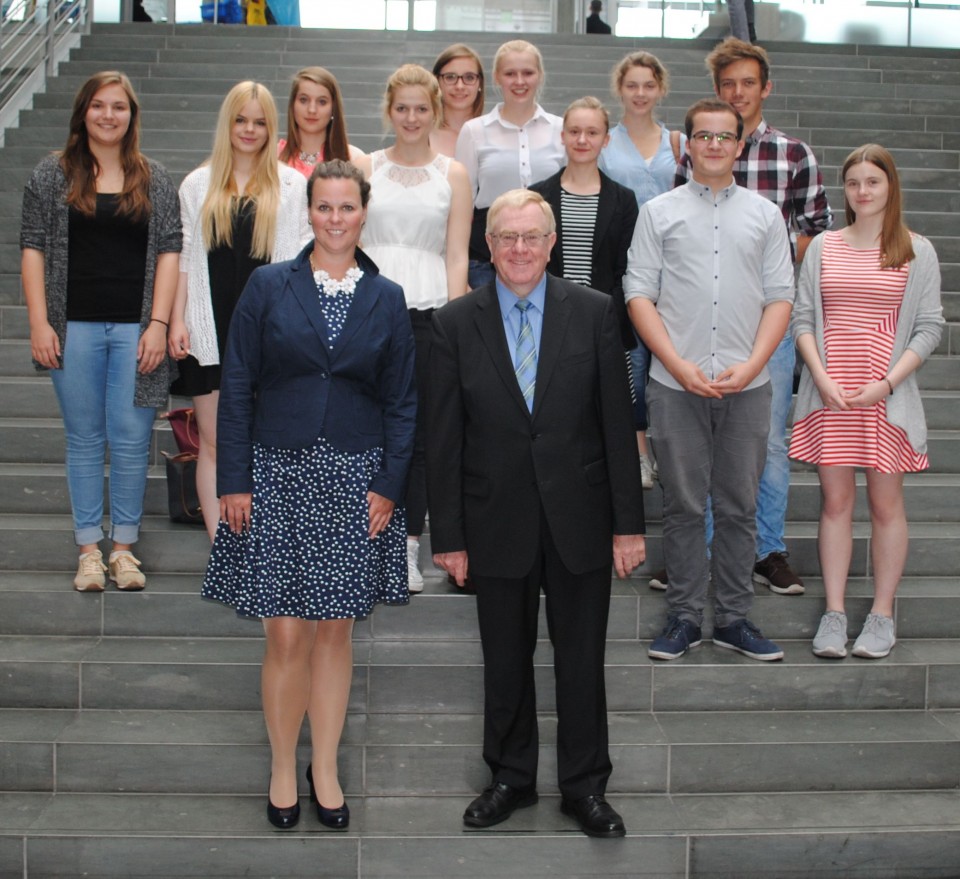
{"type": "Point", "coordinates": [285, 11]}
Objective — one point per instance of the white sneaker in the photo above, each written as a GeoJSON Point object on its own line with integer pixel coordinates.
{"type": "Point", "coordinates": [90, 572]}
{"type": "Point", "coordinates": [877, 638]}
{"type": "Point", "coordinates": [414, 577]}
{"type": "Point", "coordinates": [646, 472]}
{"type": "Point", "coordinates": [831, 638]}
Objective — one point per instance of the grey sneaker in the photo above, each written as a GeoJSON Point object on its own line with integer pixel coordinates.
{"type": "Point", "coordinates": [658, 580]}
{"type": "Point", "coordinates": [831, 637]}
{"type": "Point", "coordinates": [877, 638]}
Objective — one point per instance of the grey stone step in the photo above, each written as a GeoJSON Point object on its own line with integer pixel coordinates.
{"type": "Point", "coordinates": [104, 751]}
{"type": "Point", "coordinates": [43, 603]}
{"type": "Point", "coordinates": [441, 678]}
{"type": "Point", "coordinates": [669, 837]}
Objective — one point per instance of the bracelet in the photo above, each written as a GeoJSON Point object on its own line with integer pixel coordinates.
{"type": "Point", "coordinates": [157, 320]}
{"type": "Point", "coordinates": [889, 384]}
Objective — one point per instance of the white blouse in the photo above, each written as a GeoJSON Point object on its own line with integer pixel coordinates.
{"type": "Point", "coordinates": [500, 156]}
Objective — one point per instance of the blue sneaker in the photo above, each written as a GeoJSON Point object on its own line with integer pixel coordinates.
{"type": "Point", "coordinates": [744, 637]}
{"type": "Point", "coordinates": [675, 640]}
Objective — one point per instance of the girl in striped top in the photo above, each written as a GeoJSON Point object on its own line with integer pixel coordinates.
{"type": "Point", "coordinates": [867, 315]}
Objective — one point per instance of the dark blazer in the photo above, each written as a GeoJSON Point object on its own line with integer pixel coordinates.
{"type": "Point", "coordinates": [612, 235]}
{"type": "Point", "coordinates": [596, 25]}
{"type": "Point", "coordinates": [492, 465]}
{"type": "Point", "coordinates": [284, 386]}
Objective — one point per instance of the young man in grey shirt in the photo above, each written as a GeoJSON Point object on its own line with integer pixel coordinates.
{"type": "Point", "coordinates": [709, 287]}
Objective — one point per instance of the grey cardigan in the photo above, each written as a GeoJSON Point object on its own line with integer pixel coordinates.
{"type": "Point", "coordinates": [45, 226]}
{"type": "Point", "coordinates": [918, 329]}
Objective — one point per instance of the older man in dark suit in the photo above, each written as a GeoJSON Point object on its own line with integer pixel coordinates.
{"type": "Point", "coordinates": [534, 483]}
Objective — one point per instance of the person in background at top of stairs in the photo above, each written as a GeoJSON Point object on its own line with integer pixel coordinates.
{"type": "Point", "coordinates": [316, 123]}
{"type": "Point", "coordinates": [868, 314]}
{"type": "Point", "coordinates": [100, 325]}
{"type": "Point", "coordinates": [459, 71]}
{"type": "Point", "coordinates": [241, 209]}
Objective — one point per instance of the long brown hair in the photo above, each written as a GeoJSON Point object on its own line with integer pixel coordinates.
{"type": "Point", "coordinates": [335, 144]}
{"type": "Point", "coordinates": [896, 244]}
{"type": "Point", "coordinates": [80, 166]}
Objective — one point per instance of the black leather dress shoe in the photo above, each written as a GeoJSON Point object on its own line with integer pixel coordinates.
{"type": "Point", "coordinates": [497, 803]}
{"type": "Point", "coordinates": [596, 816]}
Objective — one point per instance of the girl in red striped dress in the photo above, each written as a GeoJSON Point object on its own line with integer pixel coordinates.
{"type": "Point", "coordinates": [867, 315]}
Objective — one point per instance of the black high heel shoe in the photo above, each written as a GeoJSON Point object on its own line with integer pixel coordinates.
{"type": "Point", "coordinates": [285, 819]}
{"type": "Point", "coordinates": [335, 819]}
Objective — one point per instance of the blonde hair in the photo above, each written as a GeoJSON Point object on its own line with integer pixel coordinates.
{"type": "Point", "coordinates": [216, 215]}
{"type": "Point", "coordinates": [335, 144]}
{"type": "Point", "coordinates": [462, 50]}
{"type": "Point", "coordinates": [588, 103]}
{"type": "Point", "coordinates": [639, 59]}
{"type": "Point", "coordinates": [520, 46]}
{"type": "Point", "coordinates": [896, 243]}
{"type": "Point", "coordinates": [519, 198]}
{"type": "Point", "coordinates": [416, 76]}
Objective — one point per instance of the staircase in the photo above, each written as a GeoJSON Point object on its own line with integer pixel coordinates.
{"type": "Point", "coordinates": [131, 739]}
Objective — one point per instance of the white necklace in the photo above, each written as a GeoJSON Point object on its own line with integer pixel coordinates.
{"type": "Point", "coordinates": [332, 287]}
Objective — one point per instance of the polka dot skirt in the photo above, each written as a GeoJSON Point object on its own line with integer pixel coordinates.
{"type": "Point", "coordinates": [307, 553]}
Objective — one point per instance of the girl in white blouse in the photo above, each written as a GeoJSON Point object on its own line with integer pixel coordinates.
{"type": "Point", "coordinates": [510, 147]}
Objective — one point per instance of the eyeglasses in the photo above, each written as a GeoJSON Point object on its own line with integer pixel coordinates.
{"type": "Point", "coordinates": [721, 137]}
{"type": "Point", "coordinates": [531, 239]}
{"type": "Point", "coordinates": [452, 78]}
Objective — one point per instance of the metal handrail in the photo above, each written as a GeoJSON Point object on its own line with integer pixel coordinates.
{"type": "Point", "coordinates": [35, 35]}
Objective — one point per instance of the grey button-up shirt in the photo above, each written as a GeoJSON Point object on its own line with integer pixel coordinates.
{"type": "Point", "coordinates": [710, 264]}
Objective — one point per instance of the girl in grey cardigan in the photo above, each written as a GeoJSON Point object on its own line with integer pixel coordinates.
{"type": "Point", "coordinates": [867, 315]}
{"type": "Point", "coordinates": [99, 237]}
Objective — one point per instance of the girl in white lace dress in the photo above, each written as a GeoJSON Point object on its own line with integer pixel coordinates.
{"type": "Point", "coordinates": [418, 228]}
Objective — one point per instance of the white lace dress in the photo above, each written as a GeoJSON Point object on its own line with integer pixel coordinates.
{"type": "Point", "coordinates": [406, 228]}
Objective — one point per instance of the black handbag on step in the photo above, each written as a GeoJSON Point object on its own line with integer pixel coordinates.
{"type": "Point", "coordinates": [182, 499]}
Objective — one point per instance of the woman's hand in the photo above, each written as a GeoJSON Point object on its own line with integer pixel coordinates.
{"type": "Point", "coordinates": [868, 394]}
{"type": "Point", "coordinates": [381, 509]}
{"type": "Point", "coordinates": [235, 510]}
{"type": "Point", "coordinates": [178, 339]}
{"type": "Point", "coordinates": [152, 348]}
{"type": "Point", "coordinates": [45, 345]}
{"type": "Point", "coordinates": [833, 396]}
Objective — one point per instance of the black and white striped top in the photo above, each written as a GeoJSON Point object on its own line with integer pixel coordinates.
{"type": "Point", "coordinates": [578, 218]}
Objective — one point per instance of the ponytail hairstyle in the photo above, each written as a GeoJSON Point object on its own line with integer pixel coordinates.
{"type": "Point", "coordinates": [80, 166]}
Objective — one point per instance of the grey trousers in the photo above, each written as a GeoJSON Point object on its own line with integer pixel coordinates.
{"type": "Point", "coordinates": [709, 448]}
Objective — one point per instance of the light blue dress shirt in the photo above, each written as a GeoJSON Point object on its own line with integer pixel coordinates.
{"type": "Point", "coordinates": [511, 315]}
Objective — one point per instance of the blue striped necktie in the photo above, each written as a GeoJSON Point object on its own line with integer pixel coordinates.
{"type": "Point", "coordinates": [525, 362]}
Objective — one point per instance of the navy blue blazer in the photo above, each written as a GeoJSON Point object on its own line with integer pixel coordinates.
{"type": "Point", "coordinates": [283, 385]}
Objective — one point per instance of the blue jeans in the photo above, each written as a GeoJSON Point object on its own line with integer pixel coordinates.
{"type": "Point", "coordinates": [639, 366]}
{"type": "Point", "coordinates": [95, 388]}
{"type": "Point", "coordinates": [480, 273]}
{"type": "Point", "coordinates": [775, 481]}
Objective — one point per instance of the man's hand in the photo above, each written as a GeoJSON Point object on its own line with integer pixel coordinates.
{"type": "Point", "coordinates": [691, 379]}
{"type": "Point", "coordinates": [454, 563]}
{"type": "Point", "coordinates": [629, 552]}
{"type": "Point", "coordinates": [734, 378]}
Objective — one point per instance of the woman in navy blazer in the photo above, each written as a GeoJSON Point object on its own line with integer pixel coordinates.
{"type": "Point", "coordinates": [314, 440]}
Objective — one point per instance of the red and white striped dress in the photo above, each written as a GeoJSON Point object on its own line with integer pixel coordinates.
{"type": "Point", "coordinates": [861, 305]}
